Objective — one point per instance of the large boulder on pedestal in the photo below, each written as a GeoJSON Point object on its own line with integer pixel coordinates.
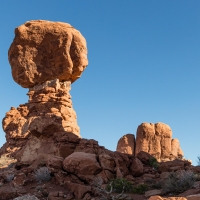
{"type": "Point", "coordinates": [44, 50]}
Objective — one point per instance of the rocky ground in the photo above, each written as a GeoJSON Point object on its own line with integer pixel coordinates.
{"type": "Point", "coordinates": [85, 173]}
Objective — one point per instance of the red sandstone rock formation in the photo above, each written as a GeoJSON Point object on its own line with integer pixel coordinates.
{"type": "Point", "coordinates": [156, 139]}
{"type": "Point", "coordinates": [126, 144]}
{"type": "Point", "coordinates": [44, 50]}
{"type": "Point", "coordinates": [46, 57]}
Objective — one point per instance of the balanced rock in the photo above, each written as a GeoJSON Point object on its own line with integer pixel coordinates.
{"type": "Point", "coordinates": [44, 50]}
{"type": "Point", "coordinates": [45, 57]}
{"type": "Point", "coordinates": [156, 139]}
{"type": "Point", "coordinates": [126, 144]}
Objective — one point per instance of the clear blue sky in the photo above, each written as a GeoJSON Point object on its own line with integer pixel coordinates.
{"type": "Point", "coordinates": [144, 65]}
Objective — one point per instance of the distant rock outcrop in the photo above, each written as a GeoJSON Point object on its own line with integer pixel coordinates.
{"type": "Point", "coordinates": [155, 139]}
{"type": "Point", "coordinates": [126, 144]}
{"type": "Point", "coordinates": [45, 57]}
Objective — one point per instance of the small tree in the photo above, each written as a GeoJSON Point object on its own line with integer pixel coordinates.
{"type": "Point", "coordinates": [107, 194]}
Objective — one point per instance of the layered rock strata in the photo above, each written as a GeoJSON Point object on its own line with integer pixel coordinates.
{"type": "Point", "coordinates": [155, 139]}
{"type": "Point", "coordinates": [45, 57]}
{"type": "Point", "coordinates": [126, 144]}
{"type": "Point", "coordinates": [48, 111]}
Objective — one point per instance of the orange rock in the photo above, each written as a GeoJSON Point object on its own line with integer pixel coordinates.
{"type": "Point", "coordinates": [144, 157]}
{"type": "Point", "coordinates": [176, 149]}
{"type": "Point", "coordinates": [156, 139]}
{"type": "Point", "coordinates": [48, 111]}
{"type": "Point", "coordinates": [107, 162]}
{"type": "Point", "coordinates": [44, 50]}
{"type": "Point", "coordinates": [126, 144]}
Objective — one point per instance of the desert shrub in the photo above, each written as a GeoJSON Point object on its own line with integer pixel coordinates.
{"type": "Point", "coordinates": [9, 177]}
{"type": "Point", "coordinates": [179, 182]}
{"type": "Point", "coordinates": [42, 174]}
{"type": "Point", "coordinates": [157, 185]}
{"type": "Point", "coordinates": [197, 177]}
{"type": "Point", "coordinates": [154, 184]}
{"type": "Point", "coordinates": [153, 162]}
{"type": "Point", "coordinates": [140, 189]}
{"type": "Point", "coordinates": [120, 185]}
{"type": "Point", "coordinates": [106, 193]}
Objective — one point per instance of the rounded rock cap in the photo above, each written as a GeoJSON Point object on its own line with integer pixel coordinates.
{"type": "Point", "coordinates": [44, 50]}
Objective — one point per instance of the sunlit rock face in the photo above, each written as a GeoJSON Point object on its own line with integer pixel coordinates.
{"type": "Point", "coordinates": [156, 139]}
{"type": "Point", "coordinates": [44, 50]}
{"type": "Point", "coordinates": [126, 144]}
{"type": "Point", "coordinates": [46, 57]}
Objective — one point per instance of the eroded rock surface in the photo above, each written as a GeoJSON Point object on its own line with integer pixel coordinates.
{"type": "Point", "coordinates": [45, 57]}
{"type": "Point", "coordinates": [126, 144]}
{"type": "Point", "coordinates": [33, 124]}
{"type": "Point", "coordinates": [44, 50]}
{"type": "Point", "coordinates": [156, 139]}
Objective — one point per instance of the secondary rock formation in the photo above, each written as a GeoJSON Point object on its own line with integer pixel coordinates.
{"type": "Point", "coordinates": [126, 144]}
{"type": "Point", "coordinates": [155, 139]}
{"type": "Point", "coordinates": [45, 57]}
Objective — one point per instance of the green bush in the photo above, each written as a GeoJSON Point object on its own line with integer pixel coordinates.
{"type": "Point", "coordinates": [179, 182]}
{"type": "Point", "coordinates": [153, 162]}
{"type": "Point", "coordinates": [120, 185]}
{"type": "Point", "coordinates": [106, 193]}
{"type": "Point", "coordinates": [140, 189]}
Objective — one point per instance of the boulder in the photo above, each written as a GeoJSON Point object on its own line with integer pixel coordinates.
{"type": "Point", "coordinates": [80, 163]}
{"type": "Point", "coordinates": [54, 163]}
{"type": "Point", "coordinates": [7, 192]}
{"type": "Point", "coordinates": [126, 144]}
{"type": "Point", "coordinates": [136, 168]}
{"type": "Point", "coordinates": [144, 157]}
{"type": "Point", "coordinates": [107, 162]}
{"type": "Point", "coordinates": [170, 166]}
{"type": "Point", "coordinates": [44, 50]}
